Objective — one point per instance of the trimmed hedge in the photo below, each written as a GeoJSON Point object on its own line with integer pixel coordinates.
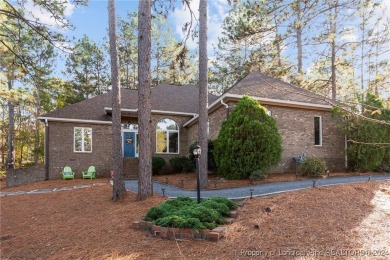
{"type": "Point", "coordinates": [157, 164]}
{"type": "Point", "coordinates": [181, 164]}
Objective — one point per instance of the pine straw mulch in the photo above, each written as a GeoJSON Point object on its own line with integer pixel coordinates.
{"type": "Point", "coordinates": [188, 180]}
{"type": "Point", "coordinates": [86, 224]}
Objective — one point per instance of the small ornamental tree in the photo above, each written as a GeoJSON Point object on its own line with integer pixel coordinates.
{"type": "Point", "coordinates": [248, 141]}
{"type": "Point", "coordinates": [368, 146]}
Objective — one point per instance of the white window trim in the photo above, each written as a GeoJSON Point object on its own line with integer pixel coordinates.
{"type": "Point", "coordinates": [167, 137]}
{"type": "Point", "coordinates": [320, 132]}
{"type": "Point", "coordinates": [82, 139]}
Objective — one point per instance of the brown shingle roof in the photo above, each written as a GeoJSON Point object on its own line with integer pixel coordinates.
{"type": "Point", "coordinates": [257, 84]}
{"type": "Point", "coordinates": [164, 97]}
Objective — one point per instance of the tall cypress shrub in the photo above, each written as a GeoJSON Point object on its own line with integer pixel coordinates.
{"type": "Point", "coordinates": [248, 141]}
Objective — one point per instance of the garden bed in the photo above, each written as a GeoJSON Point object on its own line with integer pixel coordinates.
{"type": "Point", "coordinates": [183, 233]}
{"type": "Point", "coordinates": [185, 218]}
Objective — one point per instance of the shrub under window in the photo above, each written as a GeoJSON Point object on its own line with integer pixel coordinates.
{"type": "Point", "coordinates": [313, 167]}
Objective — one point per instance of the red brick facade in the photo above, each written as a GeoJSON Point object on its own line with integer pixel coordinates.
{"type": "Point", "coordinates": [293, 108]}
{"type": "Point", "coordinates": [61, 150]}
{"type": "Point", "coordinates": [296, 126]}
{"type": "Point", "coordinates": [61, 147]}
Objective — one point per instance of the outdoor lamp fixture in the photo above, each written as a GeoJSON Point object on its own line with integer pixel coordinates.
{"type": "Point", "coordinates": [197, 151]}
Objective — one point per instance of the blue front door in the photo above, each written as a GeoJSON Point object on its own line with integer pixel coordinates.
{"type": "Point", "coordinates": [129, 144]}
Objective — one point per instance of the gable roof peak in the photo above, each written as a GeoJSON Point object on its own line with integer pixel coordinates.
{"type": "Point", "coordinates": [257, 84]}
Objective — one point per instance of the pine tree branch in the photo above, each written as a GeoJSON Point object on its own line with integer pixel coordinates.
{"type": "Point", "coordinates": [365, 143]}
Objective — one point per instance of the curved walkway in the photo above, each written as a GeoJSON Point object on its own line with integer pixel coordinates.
{"type": "Point", "coordinates": [232, 193]}
{"type": "Point", "coordinates": [256, 190]}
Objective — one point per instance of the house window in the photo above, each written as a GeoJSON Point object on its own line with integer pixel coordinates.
{"type": "Point", "coordinates": [167, 136]}
{"type": "Point", "coordinates": [318, 130]}
{"type": "Point", "coordinates": [82, 139]}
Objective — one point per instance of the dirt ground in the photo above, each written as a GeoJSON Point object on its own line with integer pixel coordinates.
{"type": "Point", "coordinates": [86, 224]}
{"type": "Point", "coordinates": [380, 243]}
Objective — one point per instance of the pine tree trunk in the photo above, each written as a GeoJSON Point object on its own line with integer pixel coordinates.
{"type": "Point", "coordinates": [299, 45]}
{"type": "Point", "coordinates": [362, 54]}
{"type": "Point", "coordinates": [11, 127]}
{"type": "Point", "coordinates": [203, 93]}
{"type": "Point", "coordinates": [298, 32]}
{"type": "Point", "coordinates": [3, 141]}
{"type": "Point", "coordinates": [117, 160]}
{"type": "Point", "coordinates": [333, 57]}
{"type": "Point", "coordinates": [145, 187]}
{"type": "Point", "coordinates": [376, 70]}
{"type": "Point", "coordinates": [278, 41]}
{"type": "Point", "coordinates": [37, 134]}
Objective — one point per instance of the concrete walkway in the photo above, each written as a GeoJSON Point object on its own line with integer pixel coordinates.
{"type": "Point", "coordinates": [232, 193]}
{"type": "Point", "coordinates": [39, 191]}
{"type": "Point", "coordinates": [257, 190]}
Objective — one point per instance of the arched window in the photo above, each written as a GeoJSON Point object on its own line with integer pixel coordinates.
{"type": "Point", "coordinates": [167, 136]}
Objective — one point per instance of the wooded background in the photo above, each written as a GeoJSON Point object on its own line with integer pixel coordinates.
{"type": "Point", "coordinates": [339, 49]}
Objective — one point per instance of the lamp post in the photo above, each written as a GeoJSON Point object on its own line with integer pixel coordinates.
{"type": "Point", "coordinates": [197, 151]}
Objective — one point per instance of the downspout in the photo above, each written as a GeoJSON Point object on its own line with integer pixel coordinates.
{"type": "Point", "coordinates": [46, 149]}
{"type": "Point", "coordinates": [227, 108]}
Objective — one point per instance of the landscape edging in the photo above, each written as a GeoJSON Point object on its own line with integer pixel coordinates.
{"type": "Point", "coordinates": [185, 233]}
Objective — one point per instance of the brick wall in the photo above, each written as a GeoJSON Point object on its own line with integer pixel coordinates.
{"type": "Point", "coordinates": [130, 168]}
{"type": "Point", "coordinates": [296, 126]}
{"type": "Point", "coordinates": [216, 118]}
{"type": "Point", "coordinates": [297, 129]}
{"type": "Point", "coordinates": [61, 148]}
{"type": "Point", "coordinates": [61, 151]}
{"type": "Point", "coordinates": [16, 177]}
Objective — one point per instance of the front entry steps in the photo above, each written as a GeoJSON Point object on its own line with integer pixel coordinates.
{"type": "Point", "coordinates": [130, 168]}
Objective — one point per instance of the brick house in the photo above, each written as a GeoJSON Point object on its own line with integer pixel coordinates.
{"type": "Point", "coordinates": [80, 135]}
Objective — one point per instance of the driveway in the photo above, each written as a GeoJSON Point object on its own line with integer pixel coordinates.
{"type": "Point", "coordinates": [256, 190]}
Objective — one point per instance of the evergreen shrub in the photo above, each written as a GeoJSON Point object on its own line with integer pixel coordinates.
{"type": "Point", "coordinates": [258, 175]}
{"type": "Point", "coordinates": [184, 212]}
{"type": "Point", "coordinates": [248, 141]}
{"type": "Point", "coordinates": [313, 167]}
{"type": "Point", "coordinates": [157, 164]}
{"type": "Point", "coordinates": [210, 155]}
{"type": "Point", "coordinates": [181, 164]}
